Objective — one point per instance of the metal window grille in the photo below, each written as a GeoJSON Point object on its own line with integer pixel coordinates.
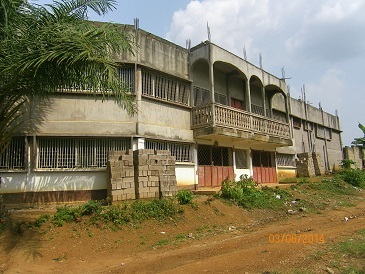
{"type": "Point", "coordinates": [165, 88]}
{"type": "Point", "coordinates": [182, 152]}
{"type": "Point", "coordinates": [257, 109]}
{"type": "Point", "coordinates": [278, 115]}
{"type": "Point", "coordinates": [213, 155]}
{"type": "Point", "coordinates": [14, 156]}
{"type": "Point", "coordinates": [126, 77]}
{"type": "Point", "coordinates": [285, 159]}
{"type": "Point", "coordinates": [220, 98]}
{"type": "Point", "coordinates": [69, 153]}
{"type": "Point", "coordinates": [241, 158]}
{"type": "Point", "coordinates": [201, 96]}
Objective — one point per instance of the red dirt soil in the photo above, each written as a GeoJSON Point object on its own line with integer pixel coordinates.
{"type": "Point", "coordinates": [216, 238]}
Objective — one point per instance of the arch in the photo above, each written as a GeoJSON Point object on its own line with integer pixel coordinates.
{"type": "Point", "coordinates": [276, 100]}
{"type": "Point", "coordinates": [257, 96]}
{"type": "Point", "coordinates": [230, 85]}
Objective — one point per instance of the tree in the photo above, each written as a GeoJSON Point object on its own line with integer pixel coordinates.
{"type": "Point", "coordinates": [45, 48]}
{"type": "Point", "coordinates": [360, 141]}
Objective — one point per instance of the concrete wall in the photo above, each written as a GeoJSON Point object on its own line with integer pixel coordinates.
{"type": "Point", "coordinates": [81, 115]}
{"type": "Point", "coordinates": [164, 120]}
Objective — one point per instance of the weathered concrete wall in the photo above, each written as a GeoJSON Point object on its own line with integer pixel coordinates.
{"type": "Point", "coordinates": [156, 53]}
{"type": "Point", "coordinates": [82, 115]}
{"type": "Point", "coordinates": [355, 154]}
{"type": "Point", "coordinates": [164, 120]}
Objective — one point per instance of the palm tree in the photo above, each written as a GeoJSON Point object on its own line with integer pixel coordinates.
{"type": "Point", "coordinates": [45, 48]}
{"type": "Point", "coordinates": [360, 141]}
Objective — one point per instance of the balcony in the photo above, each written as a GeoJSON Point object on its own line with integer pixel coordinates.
{"type": "Point", "coordinates": [223, 121]}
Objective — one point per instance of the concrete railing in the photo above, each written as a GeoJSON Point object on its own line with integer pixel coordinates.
{"type": "Point", "coordinates": [219, 115]}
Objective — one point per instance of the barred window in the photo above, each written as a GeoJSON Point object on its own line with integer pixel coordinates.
{"type": "Point", "coordinates": [297, 122]}
{"type": "Point", "coordinates": [165, 88]}
{"type": "Point", "coordinates": [279, 115]}
{"type": "Point", "coordinates": [126, 76]}
{"type": "Point", "coordinates": [241, 158]}
{"type": "Point", "coordinates": [60, 153]}
{"type": "Point", "coordinates": [257, 109]}
{"type": "Point", "coordinates": [182, 152]}
{"type": "Point", "coordinates": [220, 98]}
{"type": "Point", "coordinates": [285, 159]}
{"type": "Point", "coordinates": [14, 156]}
{"type": "Point", "coordinates": [201, 96]}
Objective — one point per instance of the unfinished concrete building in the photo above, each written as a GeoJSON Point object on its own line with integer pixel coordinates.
{"type": "Point", "coordinates": [218, 114]}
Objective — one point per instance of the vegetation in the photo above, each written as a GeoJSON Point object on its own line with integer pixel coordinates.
{"type": "Point", "coordinates": [45, 48]}
{"type": "Point", "coordinates": [244, 193]}
{"type": "Point", "coordinates": [185, 196]}
{"type": "Point", "coordinates": [119, 214]}
{"type": "Point", "coordinates": [360, 141]}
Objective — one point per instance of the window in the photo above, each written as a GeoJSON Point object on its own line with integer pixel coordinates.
{"type": "Point", "coordinates": [165, 88]}
{"type": "Point", "coordinates": [308, 126]}
{"type": "Point", "coordinates": [182, 152]}
{"type": "Point", "coordinates": [201, 96]}
{"type": "Point", "coordinates": [297, 122]}
{"type": "Point", "coordinates": [320, 133]}
{"type": "Point", "coordinates": [220, 98]}
{"type": "Point", "coordinates": [257, 109]}
{"type": "Point", "coordinates": [237, 103]}
{"type": "Point", "coordinates": [279, 115]}
{"type": "Point", "coordinates": [126, 76]}
{"type": "Point", "coordinates": [285, 159]}
{"type": "Point", "coordinates": [241, 158]}
{"type": "Point", "coordinates": [69, 153]}
{"type": "Point", "coordinates": [214, 155]}
{"type": "Point", "coordinates": [14, 157]}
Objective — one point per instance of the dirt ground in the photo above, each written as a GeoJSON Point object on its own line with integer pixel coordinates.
{"type": "Point", "coordinates": [215, 238]}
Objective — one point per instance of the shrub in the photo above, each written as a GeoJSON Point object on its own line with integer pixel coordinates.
{"type": "Point", "coordinates": [185, 196]}
{"type": "Point", "coordinates": [346, 163]}
{"type": "Point", "coordinates": [244, 193]}
{"type": "Point", "coordinates": [355, 177]}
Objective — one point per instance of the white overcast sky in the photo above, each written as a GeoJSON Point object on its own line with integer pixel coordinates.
{"type": "Point", "coordinates": [321, 43]}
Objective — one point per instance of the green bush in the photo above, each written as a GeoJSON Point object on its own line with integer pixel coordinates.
{"type": "Point", "coordinates": [120, 214]}
{"type": "Point", "coordinates": [244, 193]}
{"type": "Point", "coordinates": [185, 196]}
{"type": "Point", "coordinates": [355, 177]}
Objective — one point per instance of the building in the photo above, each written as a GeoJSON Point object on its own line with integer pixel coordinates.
{"type": "Point", "coordinates": [218, 114]}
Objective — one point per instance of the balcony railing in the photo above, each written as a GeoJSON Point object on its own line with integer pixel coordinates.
{"type": "Point", "coordinates": [219, 115]}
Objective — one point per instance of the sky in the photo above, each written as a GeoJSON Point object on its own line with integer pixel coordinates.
{"type": "Point", "coordinates": [320, 43]}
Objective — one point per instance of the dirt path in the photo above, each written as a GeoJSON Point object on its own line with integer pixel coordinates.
{"type": "Point", "coordinates": [250, 251]}
{"type": "Point", "coordinates": [244, 247]}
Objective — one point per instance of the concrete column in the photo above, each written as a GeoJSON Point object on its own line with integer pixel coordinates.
{"type": "Point", "coordinates": [138, 143]}
{"type": "Point", "coordinates": [211, 78]}
{"type": "Point", "coordinates": [248, 96]}
{"type": "Point", "coordinates": [263, 96]}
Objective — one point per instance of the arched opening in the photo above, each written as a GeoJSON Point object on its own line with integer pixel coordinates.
{"type": "Point", "coordinates": [256, 94]}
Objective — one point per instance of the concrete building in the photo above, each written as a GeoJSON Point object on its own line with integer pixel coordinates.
{"type": "Point", "coordinates": [218, 114]}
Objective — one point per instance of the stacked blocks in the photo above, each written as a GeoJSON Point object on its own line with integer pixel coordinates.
{"type": "Point", "coordinates": [121, 175]}
{"type": "Point", "coordinates": [309, 165]}
{"type": "Point", "coordinates": [305, 166]}
{"type": "Point", "coordinates": [143, 173]}
{"type": "Point", "coordinates": [154, 173]}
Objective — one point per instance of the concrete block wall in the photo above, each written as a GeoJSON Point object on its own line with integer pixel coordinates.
{"type": "Point", "coordinates": [305, 166]}
{"type": "Point", "coordinates": [121, 184]}
{"type": "Point", "coordinates": [143, 173]}
{"type": "Point", "coordinates": [355, 154]}
{"type": "Point", "coordinates": [155, 174]}
{"type": "Point", "coordinates": [310, 164]}
{"type": "Point", "coordinates": [318, 163]}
